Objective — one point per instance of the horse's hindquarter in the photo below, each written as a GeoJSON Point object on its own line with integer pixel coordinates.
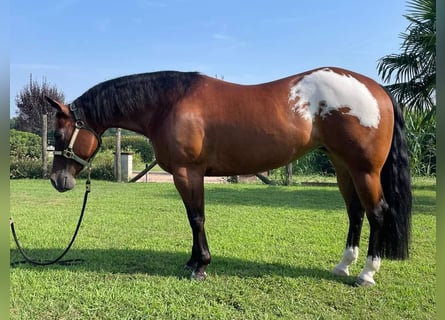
{"type": "Point", "coordinates": [352, 114]}
{"type": "Point", "coordinates": [234, 129]}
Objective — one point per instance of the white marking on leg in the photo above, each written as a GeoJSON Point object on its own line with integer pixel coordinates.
{"type": "Point", "coordinates": [324, 91]}
{"type": "Point", "coordinates": [372, 265]}
{"type": "Point", "coordinates": [350, 256]}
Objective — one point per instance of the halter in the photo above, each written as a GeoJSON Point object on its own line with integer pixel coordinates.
{"type": "Point", "coordinates": [68, 152]}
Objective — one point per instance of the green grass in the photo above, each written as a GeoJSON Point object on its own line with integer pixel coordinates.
{"type": "Point", "coordinates": [273, 250]}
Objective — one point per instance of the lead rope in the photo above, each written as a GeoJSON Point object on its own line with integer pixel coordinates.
{"type": "Point", "coordinates": [57, 260]}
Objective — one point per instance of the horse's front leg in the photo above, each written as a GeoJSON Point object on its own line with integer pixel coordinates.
{"type": "Point", "coordinates": [190, 185]}
{"type": "Point", "coordinates": [200, 257]}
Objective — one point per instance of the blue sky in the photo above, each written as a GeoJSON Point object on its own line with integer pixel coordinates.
{"type": "Point", "coordinates": [75, 44]}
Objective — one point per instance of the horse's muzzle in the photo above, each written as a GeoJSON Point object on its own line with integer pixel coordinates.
{"type": "Point", "coordinates": [62, 182]}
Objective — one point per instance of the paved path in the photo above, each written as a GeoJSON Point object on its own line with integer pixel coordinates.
{"type": "Point", "coordinates": [167, 177]}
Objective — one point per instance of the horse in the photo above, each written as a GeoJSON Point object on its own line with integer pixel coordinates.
{"type": "Point", "coordinates": [201, 126]}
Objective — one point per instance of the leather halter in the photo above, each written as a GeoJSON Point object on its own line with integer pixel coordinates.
{"type": "Point", "coordinates": [68, 152]}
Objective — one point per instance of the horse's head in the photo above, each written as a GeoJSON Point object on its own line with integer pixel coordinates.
{"type": "Point", "coordinates": [76, 144]}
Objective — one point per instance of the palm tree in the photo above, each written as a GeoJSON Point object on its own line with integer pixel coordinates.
{"type": "Point", "coordinates": [414, 69]}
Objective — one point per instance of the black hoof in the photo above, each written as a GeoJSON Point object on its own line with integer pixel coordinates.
{"type": "Point", "coordinates": [363, 283]}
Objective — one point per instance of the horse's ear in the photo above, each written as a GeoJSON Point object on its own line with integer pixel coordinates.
{"type": "Point", "coordinates": [57, 105]}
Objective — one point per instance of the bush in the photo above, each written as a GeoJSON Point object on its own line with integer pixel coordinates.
{"type": "Point", "coordinates": [102, 167]}
{"type": "Point", "coordinates": [421, 139]}
{"type": "Point", "coordinates": [25, 167]}
{"type": "Point", "coordinates": [25, 153]}
{"type": "Point", "coordinates": [315, 162]}
{"type": "Point", "coordinates": [136, 144]}
{"type": "Point", "coordinates": [24, 145]}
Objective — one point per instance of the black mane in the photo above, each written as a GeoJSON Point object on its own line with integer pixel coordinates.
{"type": "Point", "coordinates": [156, 91]}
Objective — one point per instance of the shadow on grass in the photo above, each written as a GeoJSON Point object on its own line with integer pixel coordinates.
{"type": "Point", "coordinates": [313, 197]}
{"type": "Point", "coordinates": [277, 196]}
{"type": "Point", "coordinates": [424, 205]}
{"type": "Point", "coordinates": [168, 264]}
{"type": "Point", "coordinates": [427, 187]}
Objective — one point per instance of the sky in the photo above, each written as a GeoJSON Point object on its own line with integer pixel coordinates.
{"type": "Point", "coordinates": [75, 44]}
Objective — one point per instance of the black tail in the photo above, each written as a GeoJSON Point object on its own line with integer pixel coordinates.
{"type": "Point", "coordinates": [396, 183]}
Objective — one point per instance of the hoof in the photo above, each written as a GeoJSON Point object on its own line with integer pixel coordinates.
{"type": "Point", "coordinates": [340, 272]}
{"type": "Point", "coordinates": [198, 276]}
{"type": "Point", "coordinates": [363, 283]}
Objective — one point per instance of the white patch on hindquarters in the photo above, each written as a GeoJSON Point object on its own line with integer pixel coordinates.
{"type": "Point", "coordinates": [350, 256]}
{"type": "Point", "coordinates": [372, 265]}
{"type": "Point", "coordinates": [324, 91]}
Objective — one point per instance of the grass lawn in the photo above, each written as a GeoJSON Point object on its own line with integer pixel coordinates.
{"type": "Point", "coordinates": [273, 250]}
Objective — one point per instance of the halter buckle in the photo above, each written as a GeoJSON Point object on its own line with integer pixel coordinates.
{"type": "Point", "coordinates": [68, 153]}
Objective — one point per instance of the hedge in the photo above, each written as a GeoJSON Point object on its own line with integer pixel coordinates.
{"type": "Point", "coordinates": [25, 168]}
{"type": "Point", "coordinates": [26, 155]}
{"type": "Point", "coordinates": [136, 144]}
{"type": "Point", "coordinates": [24, 144]}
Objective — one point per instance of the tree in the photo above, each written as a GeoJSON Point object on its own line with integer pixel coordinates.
{"type": "Point", "coordinates": [414, 69]}
{"type": "Point", "coordinates": [414, 74]}
{"type": "Point", "coordinates": [12, 123]}
{"type": "Point", "coordinates": [31, 105]}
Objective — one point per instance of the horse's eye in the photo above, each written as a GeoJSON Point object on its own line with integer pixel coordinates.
{"type": "Point", "coordinates": [58, 135]}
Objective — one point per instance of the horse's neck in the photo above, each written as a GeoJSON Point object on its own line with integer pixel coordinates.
{"type": "Point", "coordinates": [133, 121]}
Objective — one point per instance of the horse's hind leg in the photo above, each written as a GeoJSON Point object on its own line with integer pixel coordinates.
{"type": "Point", "coordinates": [355, 213]}
{"type": "Point", "coordinates": [190, 185]}
{"type": "Point", "coordinates": [369, 189]}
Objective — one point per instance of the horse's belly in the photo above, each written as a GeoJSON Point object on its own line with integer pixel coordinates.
{"type": "Point", "coordinates": [252, 158]}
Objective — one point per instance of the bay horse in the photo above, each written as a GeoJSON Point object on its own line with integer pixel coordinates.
{"type": "Point", "coordinates": [201, 126]}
